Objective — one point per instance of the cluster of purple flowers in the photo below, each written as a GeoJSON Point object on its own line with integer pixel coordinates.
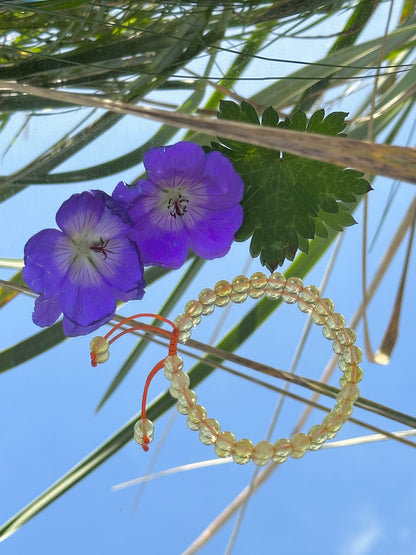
{"type": "Point", "coordinates": [190, 200]}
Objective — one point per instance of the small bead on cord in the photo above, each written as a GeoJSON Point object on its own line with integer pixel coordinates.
{"type": "Point", "coordinates": [100, 352]}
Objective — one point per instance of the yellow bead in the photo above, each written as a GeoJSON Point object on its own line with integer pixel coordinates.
{"type": "Point", "coordinates": [178, 383]}
{"type": "Point", "coordinates": [184, 336]}
{"type": "Point", "coordinates": [183, 322]}
{"type": "Point", "coordinates": [241, 286]}
{"type": "Point", "coordinates": [350, 392]}
{"type": "Point", "coordinates": [325, 307]}
{"type": "Point", "coordinates": [186, 400]}
{"type": "Point", "coordinates": [337, 347]}
{"type": "Point", "coordinates": [258, 282]}
{"type": "Point", "coordinates": [352, 355]}
{"type": "Point", "coordinates": [292, 290]}
{"type": "Point", "coordinates": [173, 363]}
{"type": "Point", "coordinates": [223, 291]}
{"type": "Point", "coordinates": [225, 444]}
{"type": "Point", "coordinates": [300, 444]}
{"type": "Point", "coordinates": [353, 375]}
{"type": "Point", "coordinates": [242, 451]}
{"type": "Point", "coordinates": [332, 422]}
{"type": "Point", "coordinates": [101, 349]}
{"type": "Point", "coordinates": [317, 437]}
{"type": "Point", "coordinates": [196, 416]}
{"type": "Point", "coordinates": [346, 336]}
{"type": "Point", "coordinates": [262, 453]}
{"type": "Point", "coordinates": [328, 333]}
{"type": "Point", "coordinates": [275, 285]}
{"type": "Point", "coordinates": [310, 294]}
{"type": "Point", "coordinates": [209, 430]}
{"type": "Point", "coordinates": [207, 297]}
{"type": "Point", "coordinates": [335, 321]}
{"type": "Point", "coordinates": [281, 450]}
{"type": "Point", "coordinates": [143, 428]}
{"type": "Point", "coordinates": [194, 309]}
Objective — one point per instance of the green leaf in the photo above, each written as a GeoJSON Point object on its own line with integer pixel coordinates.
{"type": "Point", "coordinates": [288, 199]}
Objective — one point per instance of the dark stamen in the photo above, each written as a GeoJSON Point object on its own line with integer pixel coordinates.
{"type": "Point", "coordinates": [101, 247]}
{"type": "Point", "coordinates": [178, 207]}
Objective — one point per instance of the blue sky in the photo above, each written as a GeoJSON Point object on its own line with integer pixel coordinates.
{"type": "Point", "coordinates": [355, 500]}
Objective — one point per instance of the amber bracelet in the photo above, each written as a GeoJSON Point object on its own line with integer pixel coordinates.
{"type": "Point", "coordinates": [322, 313]}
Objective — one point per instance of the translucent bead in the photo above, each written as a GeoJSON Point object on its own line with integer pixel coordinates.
{"type": "Point", "coordinates": [209, 430]}
{"type": "Point", "coordinates": [337, 347]}
{"type": "Point", "coordinates": [294, 286]}
{"type": "Point", "coordinates": [344, 365]}
{"type": "Point", "coordinates": [275, 285]}
{"type": "Point", "coordinates": [196, 416]}
{"type": "Point", "coordinates": [183, 322]}
{"type": "Point", "coordinates": [352, 355]}
{"type": "Point", "coordinates": [333, 422]}
{"type": "Point", "coordinates": [310, 294]}
{"type": "Point", "coordinates": [317, 437]}
{"type": "Point", "coordinates": [328, 333]}
{"type": "Point", "coordinates": [325, 307]}
{"type": "Point", "coordinates": [207, 297]}
{"type": "Point", "coordinates": [194, 309]}
{"type": "Point", "coordinates": [346, 336]}
{"type": "Point", "coordinates": [308, 298]}
{"type": "Point", "coordinates": [258, 282]}
{"type": "Point", "coordinates": [242, 451]}
{"type": "Point", "coordinates": [281, 450]}
{"type": "Point", "coordinates": [178, 383]}
{"type": "Point", "coordinates": [173, 363]}
{"type": "Point", "coordinates": [353, 375]}
{"type": "Point", "coordinates": [350, 392]}
{"type": "Point", "coordinates": [186, 401]}
{"type": "Point", "coordinates": [143, 428]}
{"type": "Point", "coordinates": [335, 321]}
{"type": "Point", "coordinates": [262, 453]}
{"type": "Point", "coordinates": [344, 408]}
{"type": "Point", "coordinates": [300, 444]}
{"type": "Point", "coordinates": [223, 291]}
{"type": "Point", "coordinates": [100, 347]}
{"type": "Point", "coordinates": [184, 336]}
{"type": "Point", "coordinates": [225, 444]}
{"type": "Point", "coordinates": [241, 286]}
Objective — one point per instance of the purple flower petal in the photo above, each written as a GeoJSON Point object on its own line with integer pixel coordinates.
{"type": "Point", "coordinates": [223, 186]}
{"type": "Point", "coordinates": [122, 267]}
{"type": "Point", "coordinates": [43, 271]}
{"type": "Point", "coordinates": [170, 166]}
{"type": "Point", "coordinates": [47, 311]}
{"type": "Point", "coordinates": [72, 329]}
{"type": "Point", "coordinates": [126, 196]}
{"type": "Point", "coordinates": [214, 238]}
{"type": "Point", "coordinates": [79, 213]}
{"type": "Point", "coordinates": [85, 297]}
{"type": "Point", "coordinates": [161, 247]}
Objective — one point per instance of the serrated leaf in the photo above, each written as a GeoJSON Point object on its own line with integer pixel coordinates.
{"type": "Point", "coordinates": [288, 199]}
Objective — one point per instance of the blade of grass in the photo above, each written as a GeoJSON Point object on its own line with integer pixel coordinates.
{"type": "Point", "coordinates": [381, 159]}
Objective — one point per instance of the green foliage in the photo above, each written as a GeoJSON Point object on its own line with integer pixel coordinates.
{"type": "Point", "coordinates": [288, 199]}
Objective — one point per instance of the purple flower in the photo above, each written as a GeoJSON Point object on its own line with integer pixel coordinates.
{"type": "Point", "coordinates": [84, 268]}
{"type": "Point", "coordinates": [189, 200]}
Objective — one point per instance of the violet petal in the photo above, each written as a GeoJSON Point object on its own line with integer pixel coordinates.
{"type": "Point", "coordinates": [214, 238]}
{"type": "Point", "coordinates": [170, 166]}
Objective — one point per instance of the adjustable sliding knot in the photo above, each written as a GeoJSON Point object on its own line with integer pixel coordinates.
{"type": "Point", "coordinates": [100, 352]}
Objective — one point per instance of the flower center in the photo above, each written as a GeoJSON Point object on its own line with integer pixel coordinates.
{"type": "Point", "coordinates": [101, 247]}
{"type": "Point", "coordinates": [178, 206]}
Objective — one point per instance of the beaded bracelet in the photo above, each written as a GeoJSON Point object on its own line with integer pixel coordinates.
{"type": "Point", "coordinates": [275, 287]}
